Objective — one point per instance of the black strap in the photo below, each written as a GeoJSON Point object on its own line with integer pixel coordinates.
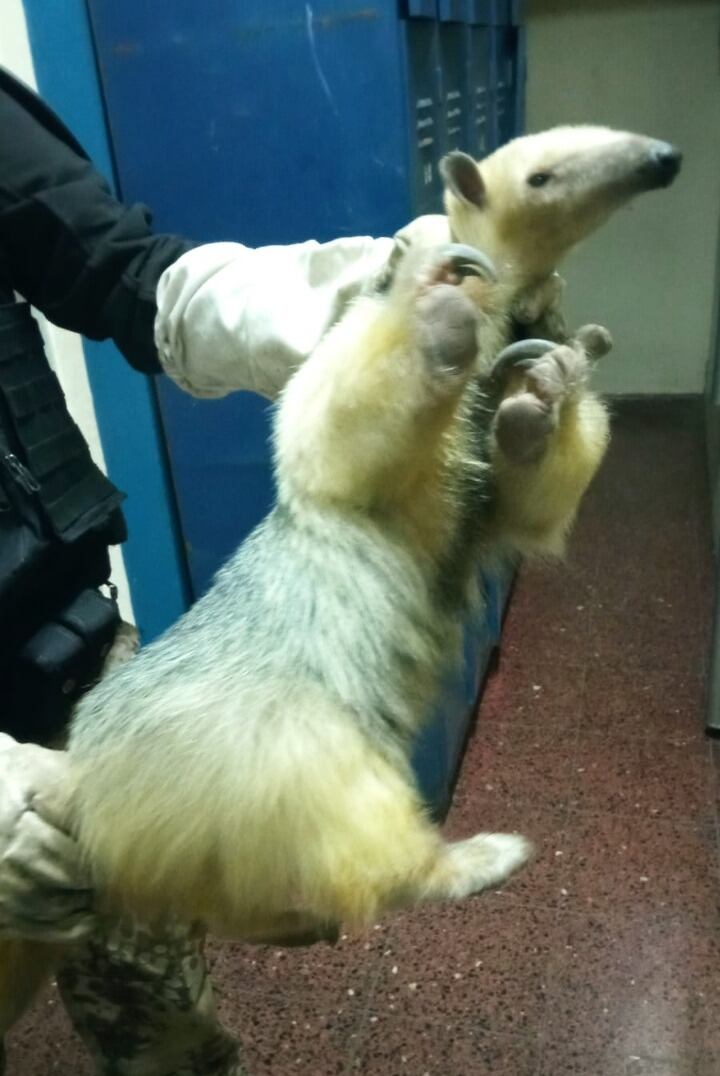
{"type": "Point", "coordinates": [51, 460]}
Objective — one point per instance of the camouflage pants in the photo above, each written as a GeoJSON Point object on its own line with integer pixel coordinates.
{"type": "Point", "coordinates": [143, 1004]}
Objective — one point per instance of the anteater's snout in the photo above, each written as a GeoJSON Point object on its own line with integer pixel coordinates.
{"type": "Point", "coordinates": [661, 164]}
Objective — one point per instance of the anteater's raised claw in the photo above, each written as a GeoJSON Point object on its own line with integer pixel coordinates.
{"type": "Point", "coordinates": [520, 355]}
{"type": "Point", "coordinates": [469, 261]}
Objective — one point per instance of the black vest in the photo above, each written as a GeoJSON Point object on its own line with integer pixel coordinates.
{"type": "Point", "coordinates": [58, 514]}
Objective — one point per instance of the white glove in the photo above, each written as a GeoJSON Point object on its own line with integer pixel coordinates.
{"type": "Point", "coordinates": [44, 892]}
{"type": "Point", "coordinates": [234, 318]}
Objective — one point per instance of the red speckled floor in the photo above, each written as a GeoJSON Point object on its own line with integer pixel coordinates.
{"type": "Point", "coordinates": [603, 958]}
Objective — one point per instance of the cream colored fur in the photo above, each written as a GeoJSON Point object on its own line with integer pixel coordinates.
{"type": "Point", "coordinates": [528, 231]}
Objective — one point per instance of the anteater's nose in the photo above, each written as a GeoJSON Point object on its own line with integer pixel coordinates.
{"type": "Point", "coordinates": [663, 163]}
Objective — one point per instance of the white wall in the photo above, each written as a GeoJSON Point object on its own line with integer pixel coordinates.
{"type": "Point", "coordinates": [64, 348]}
{"type": "Point", "coordinates": [652, 66]}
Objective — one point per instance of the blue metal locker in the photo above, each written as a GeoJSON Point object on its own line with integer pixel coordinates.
{"type": "Point", "coordinates": [453, 41]}
{"type": "Point", "coordinates": [507, 69]}
{"type": "Point", "coordinates": [419, 42]}
{"type": "Point", "coordinates": [273, 123]}
{"type": "Point", "coordinates": [481, 133]}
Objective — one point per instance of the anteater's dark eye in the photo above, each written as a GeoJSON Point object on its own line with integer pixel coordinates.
{"type": "Point", "coordinates": [539, 179]}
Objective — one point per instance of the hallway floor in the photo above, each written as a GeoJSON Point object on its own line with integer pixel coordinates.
{"type": "Point", "coordinates": [602, 958]}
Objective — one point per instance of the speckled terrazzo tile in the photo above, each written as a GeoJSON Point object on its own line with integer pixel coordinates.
{"type": "Point", "coordinates": [637, 515]}
{"type": "Point", "coordinates": [707, 572]}
{"type": "Point", "coordinates": [545, 706]}
{"type": "Point", "coordinates": [656, 584]}
{"type": "Point", "coordinates": [652, 703]}
{"type": "Point", "coordinates": [615, 864]}
{"type": "Point", "coordinates": [708, 1065]}
{"type": "Point", "coordinates": [292, 1003]}
{"type": "Point", "coordinates": [578, 1058]}
{"type": "Point", "coordinates": [642, 473]}
{"type": "Point", "coordinates": [548, 627]}
{"type": "Point", "coordinates": [558, 587]}
{"type": "Point", "coordinates": [660, 779]}
{"type": "Point", "coordinates": [633, 607]}
{"type": "Point", "coordinates": [43, 1043]}
{"type": "Point", "coordinates": [652, 457]}
{"type": "Point", "coordinates": [715, 756]}
{"type": "Point", "coordinates": [298, 969]}
{"type": "Point", "coordinates": [520, 764]}
{"type": "Point", "coordinates": [646, 544]}
{"type": "Point", "coordinates": [635, 638]}
{"type": "Point", "coordinates": [537, 653]}
{"type": "Point", "coordinates": [547, 622]}
{"type": "Point", "coordinates": [632, 985]}
{"type": "Point", "coordinates": [646, 467]}
{"type": "Point", "coordinates": [426, 1046]}
{"type": "Point", "coordinates": [649, 1066]}
{"type": "Point", "coordinates": [643, 519]}
{"type": "Point", "coordinates": [710, 1036]}
{"type": "Point", "coordinates": [478, 962]}
{"type": "Point", "coordinates": [294, 1037]}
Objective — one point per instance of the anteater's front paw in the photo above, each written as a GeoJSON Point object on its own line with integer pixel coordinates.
{"type": "Point", "coordinates": [446, 330]}
{"type": "Point", "coordinates": [540, 378]}
{"type": "Point", "coordinates": [446, 319]}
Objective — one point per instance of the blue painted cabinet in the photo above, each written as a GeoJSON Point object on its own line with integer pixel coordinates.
{"type": "Point", "coordinates": [273, 121]}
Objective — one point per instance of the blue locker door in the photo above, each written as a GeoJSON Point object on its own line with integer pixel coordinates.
{"type": "Point", "coordinates": [424, 89]}
{"type": "Point", "coordinates": [507, 70]}
{"type": "Point", "coordinates": [481, 139]}
{"type": "Point", "coordinates": [455, 87]}
{"type": "Point", "coordinates": [279, 123]}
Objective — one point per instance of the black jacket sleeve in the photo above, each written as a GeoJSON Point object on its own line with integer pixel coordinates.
{"type": "Point", "coordinates": [86, 261]}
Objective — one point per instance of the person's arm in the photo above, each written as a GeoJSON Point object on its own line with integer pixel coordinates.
{"type": "Point", "coordinates": [231, 317]}
{"type": "Point", "coordinates": [222, 316]}
{"type": "Point", "coordinates": [86, 261]}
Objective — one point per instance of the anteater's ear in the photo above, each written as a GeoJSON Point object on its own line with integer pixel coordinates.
{"type": "Point", "coordinates": [461, 175]}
